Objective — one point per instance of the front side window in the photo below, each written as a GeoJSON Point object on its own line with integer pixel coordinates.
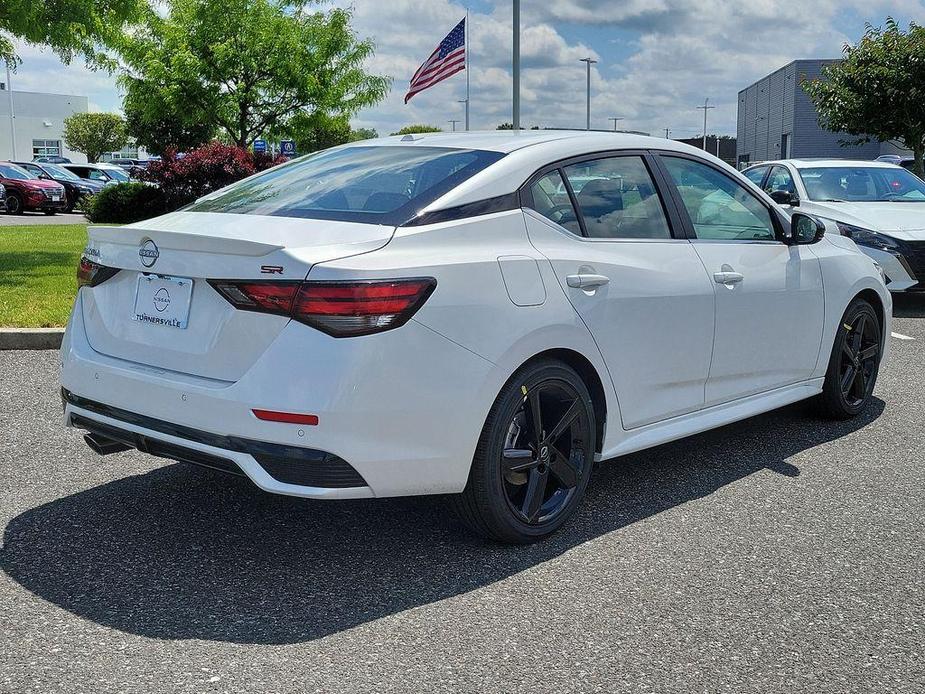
{"type": "Point", "coordinates": [551, 199]}
{"type": "Point", "coordinates": [862, 184]}
{"type": "Point", "coordinates": [381, 184]}
{"type": "Point", "coordinates": [780, 179]}
{"type": "Point", "coordinates": [756, 175]}
{"type": "Point", "coordinates": [719, 207]}
{"type": "Point", "coordinates": [617, 199]}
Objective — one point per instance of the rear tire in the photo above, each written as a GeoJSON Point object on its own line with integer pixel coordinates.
{"type": "Point", "coordinates": [853, 364]}
{"type": "Point", "coordinates": [522, 486]}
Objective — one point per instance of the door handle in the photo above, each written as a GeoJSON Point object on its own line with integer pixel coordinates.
{"type": "Point", "coordinates": [586, 281]}
{"type": "Point", "coordinates": [728, 277]}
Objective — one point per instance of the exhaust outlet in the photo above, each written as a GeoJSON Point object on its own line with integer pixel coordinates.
{"type": "Point", "coordinates": [103, 446]}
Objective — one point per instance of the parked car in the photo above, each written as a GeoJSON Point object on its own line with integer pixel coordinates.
{"type": "Point", "coordinates": [880, 206]}
{"type": "Point", "coordinates": [431, 315]}
{"type": "Point", "coordinates": [26, 192]}
{"type": "Point", "coordinates": [905, 161]}
{"type": "Point", "coordinates": [76, 189]}
{"type": "Point", "coordinates": [107, 174]}
{"type": "Point", "coordinates": [133, 166]}
{"type": "Point", "coordinates": [52, 159]}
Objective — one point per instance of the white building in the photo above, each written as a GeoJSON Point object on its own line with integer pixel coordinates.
{"type": "Point", "coordinates": [37, 124]}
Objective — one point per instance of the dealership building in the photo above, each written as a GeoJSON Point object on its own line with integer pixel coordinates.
{"type": "Point", "coordinates": [37, 124]}
{"type": "Point", "coordinates": [777, 120]}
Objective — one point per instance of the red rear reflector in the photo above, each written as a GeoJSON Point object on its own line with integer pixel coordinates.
{"type": "Point", "coordinates": [286, 417]}
{"type": "Point", "coordinates": [340, 309]}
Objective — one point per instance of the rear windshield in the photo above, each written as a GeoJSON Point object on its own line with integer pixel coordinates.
{"type": "Point", "coordinates": [380, 185]}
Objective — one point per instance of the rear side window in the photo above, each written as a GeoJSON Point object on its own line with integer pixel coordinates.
{"type": "Point", "coordinates": [551, 199]}
{"type": "Point", "coordinates": [379, 185]}
{"type": "Point", "coordinates": [617, 199]}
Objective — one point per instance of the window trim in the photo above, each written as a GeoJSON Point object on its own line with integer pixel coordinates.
{"type": "Point", "coordinates": [674, 221]}
{"type": "Point", "coordinates": [776, 221]}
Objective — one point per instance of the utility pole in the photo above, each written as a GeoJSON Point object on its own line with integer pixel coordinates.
{"type": "Point", "coordinates": [9, 91]}
{"type": "Point", "coordinates": [588, 62]}
{"type": "Point", "coordinates": [706, 107]}
{"type": "Point", "coordinates": [515, 62]}
{"type": "Point", "coordinates": [454, 122]}
{"type": "Point", "coordinates": [667, 133]}
{"type": "Point", "coordinates": [615, 119]}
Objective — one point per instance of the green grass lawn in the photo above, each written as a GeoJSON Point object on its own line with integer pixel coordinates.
{"type": "Point", "coordinates": [38, 273]}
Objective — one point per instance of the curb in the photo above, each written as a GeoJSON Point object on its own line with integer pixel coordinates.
{"type": "Point", "coordinates": [31, 338]}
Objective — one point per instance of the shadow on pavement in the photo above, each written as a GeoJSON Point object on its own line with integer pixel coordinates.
{"type": "Point", "coordinates": [909, 305]}
{"type": "Point", "coordinates": [183, 553]}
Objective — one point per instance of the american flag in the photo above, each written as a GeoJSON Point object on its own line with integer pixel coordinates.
{"type": "Point", "coordinates": [447, 59]}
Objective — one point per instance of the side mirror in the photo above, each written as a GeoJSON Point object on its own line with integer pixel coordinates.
{"type": "Point", "coordinates": [805, 229]}
{"type": "Point", "coordinates": [785, 197]}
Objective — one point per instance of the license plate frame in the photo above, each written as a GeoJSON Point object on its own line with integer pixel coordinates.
{"type": "Point", "coordinates": [162, 301]}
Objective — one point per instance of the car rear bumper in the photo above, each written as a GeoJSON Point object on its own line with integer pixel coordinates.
{"type": "Point", "coordinates": [403, 410]}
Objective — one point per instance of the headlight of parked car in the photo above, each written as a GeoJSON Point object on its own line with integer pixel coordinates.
{"type": "Point", "coordinates": [866, 237]}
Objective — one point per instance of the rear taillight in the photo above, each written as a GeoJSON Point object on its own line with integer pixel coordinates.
{"type": "Point", "coordinates": [90, 273]}
{"type": "Point", "coordinates": [340, 309]}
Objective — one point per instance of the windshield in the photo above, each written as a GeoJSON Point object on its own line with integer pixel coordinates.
{"type": "Point", "coordinates": [58, 172]}
{"type": "Point", "coordinates": [862, 184]}
{"type": "Point", "coordinates": [13, 171]}
{"type": "Point", "coordinates": [116, 173]}
{"type": "Point", "coordinates": [382, 185]}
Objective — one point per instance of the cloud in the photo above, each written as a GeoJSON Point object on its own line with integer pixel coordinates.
{"type": "Point", "coordinates": [658, 59]}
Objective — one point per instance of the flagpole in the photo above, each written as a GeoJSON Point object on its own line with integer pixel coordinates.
{"type": "Point", "coordinates": [467, 69]}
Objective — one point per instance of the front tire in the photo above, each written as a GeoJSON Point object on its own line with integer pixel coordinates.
{"type": "Point", "coordinates": [13, 203]}
{"type": "Point", "coordinates": [534, 457]}
{"type": "Point", "coordinates": [853, 364]}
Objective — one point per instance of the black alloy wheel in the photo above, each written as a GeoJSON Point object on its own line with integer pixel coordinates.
{"type": "Point", "coordinates": [534, 457]}
{"type": "Point", "coordinates": [854, 363]}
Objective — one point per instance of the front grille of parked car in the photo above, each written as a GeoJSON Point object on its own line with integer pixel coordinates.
{"type": "Point", "coordinates": [50, 192]}
{"type": "Point", "coordinates": [914, 252]}
{"type": "Point", "coordinates": [288, 464]}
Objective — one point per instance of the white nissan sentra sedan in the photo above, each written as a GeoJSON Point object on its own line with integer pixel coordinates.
{"type": "Point", "coordinates": [450, 314]}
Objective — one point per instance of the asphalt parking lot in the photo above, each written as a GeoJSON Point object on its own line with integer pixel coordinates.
{"type": "Point", "coordinates": [780, 554]}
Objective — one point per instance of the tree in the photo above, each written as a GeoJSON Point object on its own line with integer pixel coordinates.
{"type": "Point", "coordinates": [94, 133]}
{"type": "Point", "coordinates": [248, 67]}
{"type": "Point", "coordinates": [876, 91]}
{"type": "Point", "coordinates": [414, 129]}
{"type": "Point", "coordinates": [363, 134]}
{"type": "Point", "coordinates": [69, 27]}
{"type": "Point", "coordinates": [156, 126]}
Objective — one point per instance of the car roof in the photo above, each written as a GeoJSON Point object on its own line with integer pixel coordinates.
{"type": "Point", "coordinates": [830, 163]}
{"type": "Point", "coordinates": [526, 151]}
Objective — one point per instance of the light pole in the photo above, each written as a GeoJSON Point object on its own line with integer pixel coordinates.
{"type": "Point", "coordinates": [515, 63]}
{"type": "Point", "coordinates": [454, 122]}
{"type": "Point", "coordinates": [706, 107]}
{"type": "Point", "coordinates": [667, 133]}
{"type": "Point", "coordinates": [589, 62]}
{"type": "Point", "coordinates": [9, 89]}
{"type": "Point", "coordinates": [615, 119]}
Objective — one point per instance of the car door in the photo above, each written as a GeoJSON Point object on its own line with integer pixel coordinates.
{"type": "Point", "coordinates": [639, 287]}
{"type": "Point", "coordinates": [769, 295]}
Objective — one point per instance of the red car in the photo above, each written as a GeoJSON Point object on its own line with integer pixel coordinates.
{"type": "Point", "coordinates": [26, 192]}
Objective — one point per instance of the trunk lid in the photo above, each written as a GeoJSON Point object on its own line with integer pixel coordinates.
{"type": "Point", "coordinates": [123, 319]}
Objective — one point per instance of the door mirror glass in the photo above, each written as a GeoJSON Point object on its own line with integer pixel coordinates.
{"type": "Point", "coordinates": [805, 229]}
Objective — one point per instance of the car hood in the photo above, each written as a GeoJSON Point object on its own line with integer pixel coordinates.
{"type": "Point", "coordinates": [903, 220]}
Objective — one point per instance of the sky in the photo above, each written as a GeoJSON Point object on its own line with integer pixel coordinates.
{"type": "Point", "coordinates": [657, 59]}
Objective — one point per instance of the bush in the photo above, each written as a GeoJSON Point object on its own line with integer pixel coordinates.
{"type": "Point", "coordinates": [125, 203]}
{"type": "Point", "coordinates": [202, 170]}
